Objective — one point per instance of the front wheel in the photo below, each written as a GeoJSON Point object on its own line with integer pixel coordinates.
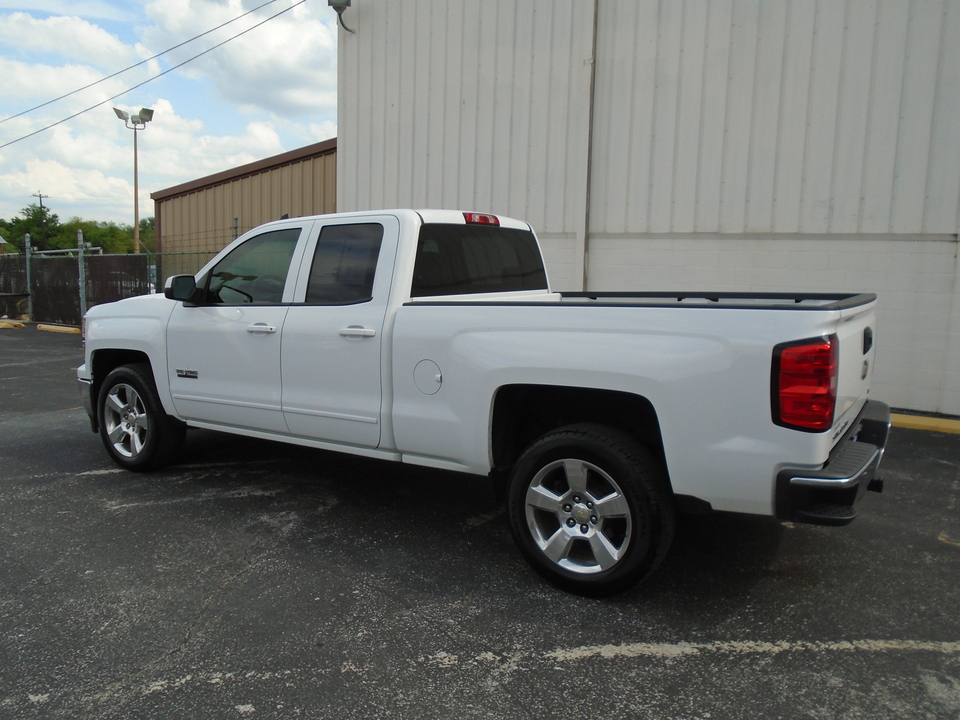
{"type": "Point", "coordinates": [590, 509]}
{"type": "Point", "coordinates": [134, 428]}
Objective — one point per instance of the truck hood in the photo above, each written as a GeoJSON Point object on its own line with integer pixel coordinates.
{"type": "Point", "coordinates": [151, 304]}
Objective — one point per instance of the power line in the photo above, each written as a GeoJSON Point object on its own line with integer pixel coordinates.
{"type": "Point", "coordinates": [142, 62]}
{"type": "Point", "coordinates": [155, 77]}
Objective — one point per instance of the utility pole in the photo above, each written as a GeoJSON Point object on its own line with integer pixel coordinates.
{"type": "Point", "coordinates": [43, 217]}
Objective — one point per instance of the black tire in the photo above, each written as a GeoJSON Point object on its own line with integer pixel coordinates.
{"type": "Point", "coordinates": [136, 431]}
{"type": "Point", "coordinates": [590, 509]}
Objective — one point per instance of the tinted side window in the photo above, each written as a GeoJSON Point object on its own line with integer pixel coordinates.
{"type": "Point", "coordinates": [344, 264]}
{"type": "Point", "coordinates": [255, 272]}
{"type": "Point", "coordinates": [458, 259]}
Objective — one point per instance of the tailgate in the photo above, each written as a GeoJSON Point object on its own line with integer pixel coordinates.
{"type": "Point", "coordinates": [855, 332]}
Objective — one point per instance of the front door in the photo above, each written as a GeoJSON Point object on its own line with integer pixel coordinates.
{"type": "Point", "coordinates": [224, 353]}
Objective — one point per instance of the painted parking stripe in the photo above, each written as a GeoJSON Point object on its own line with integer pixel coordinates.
{"type": "Point", "coordinates": [678, 650]}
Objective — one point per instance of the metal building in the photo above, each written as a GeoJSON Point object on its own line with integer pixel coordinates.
{"type": "Point", "coordinates": [798, 145]}
{"type": "Point", "coordinates": [201, 217]}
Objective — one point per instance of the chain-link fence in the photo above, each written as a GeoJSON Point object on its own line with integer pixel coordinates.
{"type": "Point", "coordinates": [59, 287]}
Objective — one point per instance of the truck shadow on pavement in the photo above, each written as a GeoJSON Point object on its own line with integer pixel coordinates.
{"type": "Point", "coordinates": [444, 533]}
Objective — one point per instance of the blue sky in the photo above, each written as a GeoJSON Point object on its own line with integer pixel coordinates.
{"type": "Point", "coordinates": [266, 92]}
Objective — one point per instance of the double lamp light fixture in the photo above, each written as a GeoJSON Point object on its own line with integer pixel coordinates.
{"type": "Point", "coordinates": [135, 122]}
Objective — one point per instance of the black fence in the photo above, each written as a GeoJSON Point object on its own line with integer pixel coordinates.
{"type": "Point", "coordinates": [13, 286]}
{"type": "Point", "coordinates": [54, 287]}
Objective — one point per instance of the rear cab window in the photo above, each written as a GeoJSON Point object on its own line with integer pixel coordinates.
{"type": "Point", "coordinates": [467, 259]}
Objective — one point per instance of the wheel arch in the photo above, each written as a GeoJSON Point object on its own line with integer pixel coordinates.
{"type": "Point", "coordinates": [107, 359]}
{"type": "Point", "coordinates": [523, 413]}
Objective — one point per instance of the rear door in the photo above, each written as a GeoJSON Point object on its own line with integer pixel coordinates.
{"type": "Point", "coordinates": [332, 344]}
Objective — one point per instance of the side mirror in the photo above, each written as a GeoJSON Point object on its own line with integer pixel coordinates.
{"type": "Point", "coordinates": [180, 287]}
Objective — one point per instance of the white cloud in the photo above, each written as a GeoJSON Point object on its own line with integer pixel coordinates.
{"type": "Point", "coordinates": [69, 37]}
{"type": "Point", "coordinates": [272, 90]}
{"type": "Point", "coordinates": [98, 9]}
{"type": "Point", "coordinates": [286, 66]}
{"type": "Point", "coordinates": [171, 144]}
{"type": "Point", "coordinates": [323, 131]}
{"type": "Point", "coordinates": [92, 166]}
{"type": "Point", "coordinates": [25, 82]}
{"type": "Point", "coordinates": [68, 185]}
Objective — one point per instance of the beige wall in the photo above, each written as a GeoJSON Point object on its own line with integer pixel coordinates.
{"type": "Point", "coordinates": [199, 217]}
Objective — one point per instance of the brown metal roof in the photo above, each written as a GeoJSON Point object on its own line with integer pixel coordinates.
{"type": "Point", "coordinates": [287, 158]}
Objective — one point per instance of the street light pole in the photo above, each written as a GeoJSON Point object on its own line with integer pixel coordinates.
{"type": "Point", "coordinates": [135, 122]}
{"type": "Point", "coordinates": [136, 194]}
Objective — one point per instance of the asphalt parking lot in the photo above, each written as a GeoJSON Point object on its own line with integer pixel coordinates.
{"type": "Point", "coordinates": [255, 580]}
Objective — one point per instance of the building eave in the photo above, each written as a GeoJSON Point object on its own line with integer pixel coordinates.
{"type": "Point", "coordinates": [254, 168]}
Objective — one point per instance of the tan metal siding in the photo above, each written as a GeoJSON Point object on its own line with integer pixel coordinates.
{"type": "Point", "coordinates": [202, 220]}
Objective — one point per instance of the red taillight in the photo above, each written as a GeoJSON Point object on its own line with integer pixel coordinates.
{"type": "Point", "coordinates": [473, 218]}
{"type": "Point", "coordinates": [805, 384]}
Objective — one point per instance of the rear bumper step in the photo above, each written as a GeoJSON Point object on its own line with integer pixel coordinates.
{"type": "Point", "coordinates": [827, 515]}
{"type": "Point", "coordinates": [829, 496]}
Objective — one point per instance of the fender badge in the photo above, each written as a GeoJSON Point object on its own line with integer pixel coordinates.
{"type": "Point", "coordinates": [189, 374]}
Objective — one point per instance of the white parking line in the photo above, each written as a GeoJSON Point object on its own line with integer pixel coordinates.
{"type": "Point", "coordinates": [677, 650]}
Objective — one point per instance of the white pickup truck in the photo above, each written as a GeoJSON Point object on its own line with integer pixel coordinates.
{"type": "Point", "coordinates": [432, 337]}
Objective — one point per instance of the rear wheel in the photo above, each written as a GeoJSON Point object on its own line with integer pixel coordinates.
{"type": "Point", "coordinates": [134, 428]}
{"type": "Point", "coordinates": [590, 509]}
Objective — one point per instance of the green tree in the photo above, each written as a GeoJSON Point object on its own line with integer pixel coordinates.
{"type": "Point", "coordinates": [5, 232]}
{"type": "Point", "coordinates": [42, 225]}
{"type": "Point", "coordinates": [148, 233]}
{"type": "Point", "coordinates": [48, 233]}
{"type": "Point", "coordinates": [111, 237]}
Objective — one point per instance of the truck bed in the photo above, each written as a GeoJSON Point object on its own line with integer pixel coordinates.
{"type": "Point", "coordinates": [731, 300]}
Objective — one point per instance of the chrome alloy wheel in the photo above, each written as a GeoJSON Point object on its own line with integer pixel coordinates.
{"type": "Point", "coordinates": [126, 420]}
{"type": "Point", "coordinates": [578, 516]}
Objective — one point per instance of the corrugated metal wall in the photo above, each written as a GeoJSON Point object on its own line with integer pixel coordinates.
{"type": "Point", "coordinates": [716, 124]}
{"type": "Point", "coordinates": [480, 105]}
{"type": "Point", "coordinates": [802, 116]}
{"type": "Point", "coordinates": [202, 220]}
{"type": "Point", "coordinates": [789, 117]}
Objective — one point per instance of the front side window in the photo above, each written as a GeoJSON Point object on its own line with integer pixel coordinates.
{"type": "Point", "coordinates": [462, 259]}
{"type": "Point", "coordinates": [345, 264]}
{"type": "Point", "coordinates": [255, 272]}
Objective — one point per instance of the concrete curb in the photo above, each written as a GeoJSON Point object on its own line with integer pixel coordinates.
{"type": "Point", "coordinates": [10, 325]}
{"type": "Point", "coordinates": [59, 329]}
{"type": "Point", "coordinates": [923, 422]}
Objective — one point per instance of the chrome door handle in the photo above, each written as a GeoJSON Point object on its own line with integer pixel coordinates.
{"type": "Point", "coordinates": [261, 328]}
{"type": "Point", "coordinates": [357, 331]}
